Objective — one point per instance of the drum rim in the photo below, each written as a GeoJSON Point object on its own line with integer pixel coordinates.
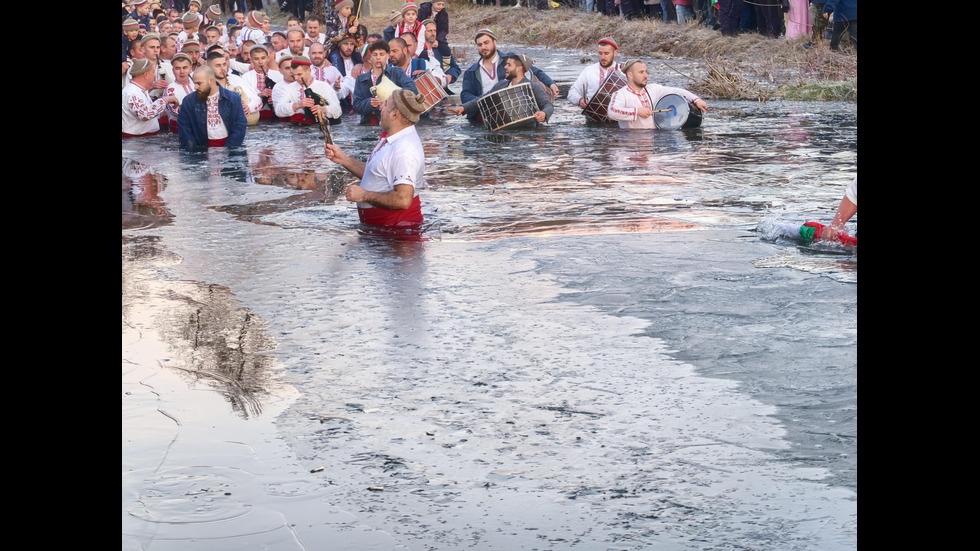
{"type": "Point", "coordinates": [434, 86]}
{"type": "Point", "coordinates": [480, 100]}
{"type": "Point", "coordinates": [604, 118]}
{"type": "Point", "coordinates": [683, 101]}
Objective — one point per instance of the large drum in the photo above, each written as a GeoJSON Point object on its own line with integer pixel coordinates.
{"type": "Point", "coordinates": [507, 106]}
{"type": "Point", "coordinates": [431, 90]}
{"type": "Point", "coordinates": [673, 112]}
{"type": "Point", "coordinates": [598, 106]}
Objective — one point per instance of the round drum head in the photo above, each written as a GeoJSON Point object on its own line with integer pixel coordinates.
{"type": "Point", "coordinates": [677, 113]}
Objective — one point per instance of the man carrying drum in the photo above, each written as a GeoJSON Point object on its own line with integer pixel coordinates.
{"type": "Point", "coordinates": [589, 81]}
{"type": "Point", "coordinates": [516, 68]}
{"type": "Point", "coordinates": [489, 70]}
{"type": "Point", "coordinates": [633, 105]}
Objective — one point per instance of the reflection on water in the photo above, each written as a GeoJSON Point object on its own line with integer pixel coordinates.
{"type": "Point", "coordinates": [212, 338]}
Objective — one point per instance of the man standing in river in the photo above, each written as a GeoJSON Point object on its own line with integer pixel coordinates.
{"type": "Point", "coordinates": [483, 75]}
{"type": "Point", "coordinates": [388, 194]}
{"type": "Point", "coordinates": [633, 104]}
{"type": "Point", "coordinates": [589, 81]}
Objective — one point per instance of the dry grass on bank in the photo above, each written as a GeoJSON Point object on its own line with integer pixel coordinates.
{"type": "Point", "coordinates": [749, 66]}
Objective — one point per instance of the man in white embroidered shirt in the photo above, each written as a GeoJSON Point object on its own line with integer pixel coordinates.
{"type": "Point", "coordinates": [388, 195]}
{"type": "Point", "coordinates": [632, 105]}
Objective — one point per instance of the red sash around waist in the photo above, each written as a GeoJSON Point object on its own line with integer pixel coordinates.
{"type": "Point", "coordinates": [125, 135]}
{"type": "Point", "coordinates": [393, 218]}
{"type": "Point", "coordinates": [217, 143]}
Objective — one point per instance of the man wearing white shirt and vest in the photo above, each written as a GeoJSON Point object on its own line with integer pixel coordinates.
{"type": "Point", "coordinates": [591, 79]}
{"type": "Point", "coordinates": [299, 105]}
{"type": "Point", "coordinates": [140, 113]}
{"type": "Point", "coordinates": [632, 105]}
{"type": "Point", "coordinates": [388, 194]}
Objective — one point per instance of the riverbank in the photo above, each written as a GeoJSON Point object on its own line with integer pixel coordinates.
{"type": "Point", "coordinates": [746, 67]}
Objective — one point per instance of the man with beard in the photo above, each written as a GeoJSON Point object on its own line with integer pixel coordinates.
{"type": "Point", "coordinates": [388, 194]}
{"type": "Point", "coordinates": [516, 67]}
{"type": "Point", "coordinates": [347, 60]}
{"type": "Point", "coordinates": [313, 30]}
{"type": "Point", "coordinates": [218, 62]}
{"type": "Point", "coordinates": [483, 75]}
{"type": "Point", "coordinates": [633, 104]}
{"type": "Point", "coordinates": [211, 117]}
{"type": "Point", "coordinates": [434, 56]}
{"type": "Point", "coordinates": [302, 109]}
{"type": "Point", "coordinates": [400, 56]}
{"type": "Point", "coordinates": [591, 79]}
{"type": "Point", "coordinates": [365, 102]}
{"type": "Point", "coordinates": [140, 113]}
{"type": "Point", "coordinates": [296, 41]}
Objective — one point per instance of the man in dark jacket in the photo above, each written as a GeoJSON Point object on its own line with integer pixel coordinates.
{"type": "Point", "coordinates": [365, 102]}
{"type": "Point", "coordinates": [212, 117]}
{"type": "Point", "coordinates": [845, 19]}
{"type": "Point", "coordinates": [485, 73]}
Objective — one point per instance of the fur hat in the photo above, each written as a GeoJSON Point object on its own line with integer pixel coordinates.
{"type": "Point", "coordinates": [409, 104]}
{"type": "Point", "coordinates": [140, 66]}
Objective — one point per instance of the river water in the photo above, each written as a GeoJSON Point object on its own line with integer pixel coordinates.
{"type": "Point", "coordinates": [598, 344]}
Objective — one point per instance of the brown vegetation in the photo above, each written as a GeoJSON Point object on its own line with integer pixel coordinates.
{"type": "Point", "coordinates": [749, 66]}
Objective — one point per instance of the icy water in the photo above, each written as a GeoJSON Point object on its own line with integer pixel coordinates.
{"type": "Point", "coordinates": [596, 346]}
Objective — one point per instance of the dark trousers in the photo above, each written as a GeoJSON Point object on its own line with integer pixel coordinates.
{"type": "Point", "coordinates": [769, 20]}
{"type": "Point", "coordinates": [729, 16]}
{"type": "Point", "coordinates": [840, 27]}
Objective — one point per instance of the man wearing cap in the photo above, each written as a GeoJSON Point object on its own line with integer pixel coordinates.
{"type": "Point", "coordinates": [516, 67]}
{"type": "Point", "coordinates": [212, 116]}
{"type": "Point", "coordinates": [280, 95]}
{"type": "Point", "coordinates": [296, 40]}
{"type": "Point", "coordinates": [388, 194]}
{"type": "Point", "coordinates": [140, 113]}
{"type": "Point", "coordinates": [323, 71]}
{"type": "Point", "coordinates": [632, 105]}
{"type": "Point", "coordinates": [191, 26]}
{"type": "Point", "coordinates": [180, 87]}
{"type": "Point", "coordinates": [254, 23]}
{"type": "Point", "coordinates": [193, 48]}
{"type": "Point", "coordinates": [483, 75]}
{"type": "Point", "coordinates": [261, 80]}
{"type": "Point", "coordinates": [301, 109]}
{"type": "Point", "coordinates": [591, 79]}
{"type": "Point", "coordinates": [365, 102]}
{"type": "Point", "coordinates": [218, 62]}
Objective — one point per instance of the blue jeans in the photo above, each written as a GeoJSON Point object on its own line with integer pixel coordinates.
{"type": "Point", "coordinates": [684, 14]}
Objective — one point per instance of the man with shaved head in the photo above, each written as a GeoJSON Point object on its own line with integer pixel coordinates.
{"type": "Point", "coordinates": [212, 116]}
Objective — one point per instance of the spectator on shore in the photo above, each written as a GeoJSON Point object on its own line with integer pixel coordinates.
{"type": "Point", "coordinates": [845, 20]}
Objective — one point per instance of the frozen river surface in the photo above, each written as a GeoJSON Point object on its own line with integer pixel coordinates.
{"type": "Point", "coordinates": [594, 348]}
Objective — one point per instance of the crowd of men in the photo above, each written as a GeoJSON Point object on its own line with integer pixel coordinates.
{"type": "Point", "coordinates": [208, 80]}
